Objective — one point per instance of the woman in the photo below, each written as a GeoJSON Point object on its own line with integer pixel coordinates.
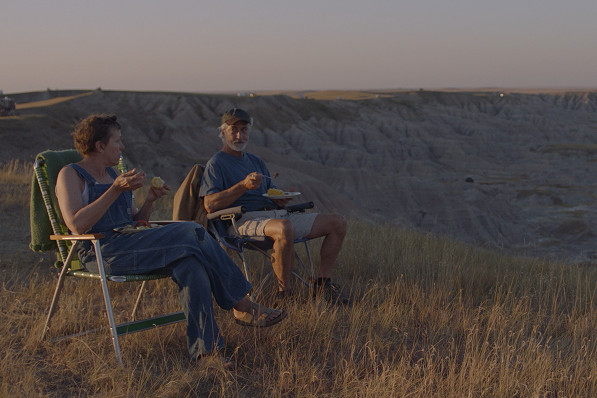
{"type": "Point", "coordinates": [93, 198]}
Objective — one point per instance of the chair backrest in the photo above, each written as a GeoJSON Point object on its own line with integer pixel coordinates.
{"type": "Point", "coordinates": [45, 216]}
{"type": "Point", "coordinates": [187, 204]}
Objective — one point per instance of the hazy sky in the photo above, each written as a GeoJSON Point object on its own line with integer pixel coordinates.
{"type": "Point", "coordinates": [252, 45]}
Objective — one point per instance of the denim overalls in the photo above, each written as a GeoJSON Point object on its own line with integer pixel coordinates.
{"type": "Point", "coordinates": [183, 250]}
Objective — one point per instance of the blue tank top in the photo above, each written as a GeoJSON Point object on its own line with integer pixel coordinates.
{"type": "Point", "coordinates": [119, 213]}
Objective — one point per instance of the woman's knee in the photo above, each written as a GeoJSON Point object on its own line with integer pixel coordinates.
{"type": "Point", "coordinates": [181, 231]}
{"type": "Point", "coordinates": [190, 272]}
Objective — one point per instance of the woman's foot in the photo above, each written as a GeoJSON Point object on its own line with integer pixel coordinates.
{"type": "Point", "coordinates": [249, 313]}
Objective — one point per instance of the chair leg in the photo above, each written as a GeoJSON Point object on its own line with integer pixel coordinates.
{"type": "Point", "coordinates": [308, 271]}
{"type": "Point", "coordinates": [245, 267]}
{"type": "Point", "coordinates": [59, 286]}
{"type": "Point", "coordinates": [100, 265]}
{"type": "Point", "coordinates": [265, 278]}
{"type": "Point", "coordinates": [266, 258]}
{"type": "Point", "coordinates": [311, 271]}
{"type": "Point", "coordinates": [141, 290]}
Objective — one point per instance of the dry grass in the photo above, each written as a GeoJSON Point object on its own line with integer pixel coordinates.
{"type": "Point", "coordinates": [15, 177]}
{"type": "Point", "coordinates": [432, 317]}
{"type": "Point", "coordinates": [358, 95]}
{"type": "Point", "coordinates": [330, 95]}
{"type": "Point", "coordinates": [49, 102]}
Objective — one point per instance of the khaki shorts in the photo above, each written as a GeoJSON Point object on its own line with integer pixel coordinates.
{"type": "Point", "coordinates": [253, 223]}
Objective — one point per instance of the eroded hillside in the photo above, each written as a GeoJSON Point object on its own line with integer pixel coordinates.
{"type": "Point", "coordinates": [511, 171]}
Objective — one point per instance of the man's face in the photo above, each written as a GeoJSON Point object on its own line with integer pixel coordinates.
{"type": "Point", "coordinates": [237, 136]}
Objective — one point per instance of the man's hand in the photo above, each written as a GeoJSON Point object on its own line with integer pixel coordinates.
{"type": "Point", "coordinates": [252, 181]}
{"type": "Point", "coordinates": [284, 202]}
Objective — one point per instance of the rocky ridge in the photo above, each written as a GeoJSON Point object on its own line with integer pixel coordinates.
{"type": "Point", "coordinates": [511, 171]}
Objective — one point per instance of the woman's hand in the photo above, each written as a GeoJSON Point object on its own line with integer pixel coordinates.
{"type": "Point", "coordinates": [156, 193]}
{"type": "Point", "coordinates": [129, 181]}
{"type": "Point", "coordinates": [153, 194]}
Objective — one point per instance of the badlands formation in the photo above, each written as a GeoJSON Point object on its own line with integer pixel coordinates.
{"type": "Point", "coordinates": [506, 170]}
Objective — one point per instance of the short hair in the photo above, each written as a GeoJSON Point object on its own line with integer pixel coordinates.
{"type": "Point", "coordinates": [92, 129]}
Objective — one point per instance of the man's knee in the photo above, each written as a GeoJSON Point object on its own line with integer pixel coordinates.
{"type": "Point", "coordinates": [336, 224]}
{"type": "Point", "coordinates": [329, 225]}
{"type": "Point", "coordinates": [340, 223]}
{"type": "Point", "coordinates": [280, 229]}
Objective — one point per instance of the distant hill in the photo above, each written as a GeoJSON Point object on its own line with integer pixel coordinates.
{"type": "Point", "coordinates": [497, 168]}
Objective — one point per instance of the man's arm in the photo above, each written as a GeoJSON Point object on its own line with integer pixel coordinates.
{"type": "Point", "coordinates": [223, 199]}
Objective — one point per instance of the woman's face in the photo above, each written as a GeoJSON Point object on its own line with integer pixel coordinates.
{"type": "Point", "coordinates": [113, 149]}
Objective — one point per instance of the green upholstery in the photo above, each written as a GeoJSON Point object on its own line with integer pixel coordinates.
{"type": "Point", "coordinates": [45, 217]}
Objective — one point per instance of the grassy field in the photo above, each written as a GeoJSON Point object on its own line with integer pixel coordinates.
{"type": "Point", "coordinates": [432, 318]}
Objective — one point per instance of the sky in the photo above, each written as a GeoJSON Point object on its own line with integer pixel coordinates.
{"type": "Point", "coordinates": [257, 45]}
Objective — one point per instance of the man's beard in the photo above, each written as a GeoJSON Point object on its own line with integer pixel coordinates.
{"type": "Point", "coordinates": [237, 146]}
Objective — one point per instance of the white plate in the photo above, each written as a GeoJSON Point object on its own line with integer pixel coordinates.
{"type": "Point", "coordinates": [285, 195]}
{"type": "Point", "coordinates": [127, 229]}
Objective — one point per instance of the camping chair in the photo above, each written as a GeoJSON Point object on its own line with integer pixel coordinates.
{"type": "Point", "coordinates": [188, 206]}
{"type": "Point", "coordinates": [48, 232]}
{"type": "Point", "coordinates": [218, 224]}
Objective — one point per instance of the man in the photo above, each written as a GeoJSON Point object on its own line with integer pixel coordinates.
{"type": "Point", "coordinates": [233, 177]}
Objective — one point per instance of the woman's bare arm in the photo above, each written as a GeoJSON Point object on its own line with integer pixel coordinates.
{"type": "Point", "coordinates": [79, 218]}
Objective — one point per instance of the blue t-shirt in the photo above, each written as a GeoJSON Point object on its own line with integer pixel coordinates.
{"type": "Point", "coordinates": [224, 170]}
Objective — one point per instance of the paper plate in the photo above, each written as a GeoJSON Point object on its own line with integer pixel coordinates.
{"type": "Point", "coordinates": [285, 195]}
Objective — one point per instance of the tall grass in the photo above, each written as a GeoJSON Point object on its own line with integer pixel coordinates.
{"type": "Point", "coordinates": [15, 177]}
{"type": "Point", "coordinates": [431, 317]}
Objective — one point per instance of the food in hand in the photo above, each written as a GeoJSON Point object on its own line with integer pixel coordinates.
{"type": "Point", "coordinates": [157, 182]}
{"type": "Point", "coordinates": [275, 192]}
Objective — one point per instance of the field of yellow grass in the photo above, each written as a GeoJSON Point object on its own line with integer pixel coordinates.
{"type": "Point", "coordinates": [431, 317]}
{"type": "Point", "coordinates": [50, 102]}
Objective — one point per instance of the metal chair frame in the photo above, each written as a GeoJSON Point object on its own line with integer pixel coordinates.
{"type": "Point", "coordinates": [70, 268]}
{"type": "Point", "coordinates": [218, 223]}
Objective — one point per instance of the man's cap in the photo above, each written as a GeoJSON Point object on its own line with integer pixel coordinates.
{"type": "Point", "coordinates": [234, 115]}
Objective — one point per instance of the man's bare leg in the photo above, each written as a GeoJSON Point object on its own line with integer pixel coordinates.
{"type": "Point", "coordinates": [282, 233]}
{"type": "Point", "coordinates": [333, 228]}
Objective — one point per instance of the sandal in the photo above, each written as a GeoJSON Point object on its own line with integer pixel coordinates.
{"type": "Point", "coordinates": [261, 321]}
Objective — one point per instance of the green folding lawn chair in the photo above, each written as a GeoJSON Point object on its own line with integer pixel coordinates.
{"type": "Point", "coordinates": [48, 232]}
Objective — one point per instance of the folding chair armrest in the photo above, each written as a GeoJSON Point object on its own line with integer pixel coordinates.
{"type": "Point", "coordinates": [77, 237]}
{"type": "Point", "coordinates": [300, 207]}
{"type": "Point", "coordinates": [232, 211]}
